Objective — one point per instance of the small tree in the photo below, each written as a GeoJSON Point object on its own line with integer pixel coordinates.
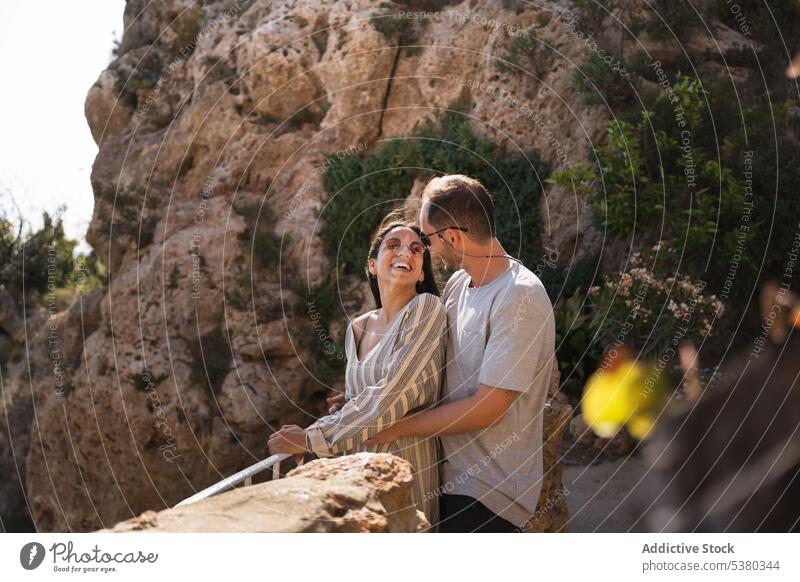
{"type": "Point", "coordinates": [36, 262]}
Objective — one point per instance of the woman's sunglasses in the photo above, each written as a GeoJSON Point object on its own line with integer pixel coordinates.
{"type": "Point", "coordinates": [415, 247]}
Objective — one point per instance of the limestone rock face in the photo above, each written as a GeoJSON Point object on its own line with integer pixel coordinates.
{"type": "Point", "coordinates": [365, 492]}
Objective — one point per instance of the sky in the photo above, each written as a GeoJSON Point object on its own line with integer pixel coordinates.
{"type": "Point", "coordinates": [52, 52]}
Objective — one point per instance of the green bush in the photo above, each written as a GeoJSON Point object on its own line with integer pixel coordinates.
{"type": "Point", "coordinates": [675, 19]}
{"type": "Point", "coordinates": [607, 81]}
{"type": "Point", "coordinates": [591, 14]}
{"type": "Point", "coordinates": [363, 189]}
{"type": "Point", "coordinates": [186, 28]}
{"type": "Point", "coordinates": [564, 281]}
{"type": "Point", "coordinates": [390, 24]}
{"type": "Point", "coordinates": [577, 350]}
{"type": "Point", "coordinates": [400, 28]}
{"type": "Point", "coordinates": [40, 267]}
{"type": "Point", "coordinates": [138, 79]}
{"type": "Point", "coordinates": [259, 233]}
{"type": "Point", "coordinates": [526, 51]}
{"type": "Point", "coordinates": [126, 213]}
{"type": "Point", "coordinates": [652, 313]}
{"type": "Point", "coordinates": [35, 262]}
{"type": "Point", "coordinates": [709, 179]}
{"type": "Point", "coordinates": [652, 181]}
{"type": "Point", "coordinates": [267, 248]}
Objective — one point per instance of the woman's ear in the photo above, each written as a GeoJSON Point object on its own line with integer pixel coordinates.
{"type": "Point", "coordinates": [372, 269]}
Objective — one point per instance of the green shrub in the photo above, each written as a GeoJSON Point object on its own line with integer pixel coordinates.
{"type": "Point", "coordinates": [576, 349]}
{"type": "Point", "coordinates": [675, 19]}
{"type": "Point", "coordinates": [652, 313]}
{"type": "Point", "coordinates": [187, 27]}
{"type": "Point", "coordinates": [322, 307]}
{"type": "Point", "coordinates": [709, 176]}
{"type": "Point", "coordinates": [390, 24]}
{"type": "Point", "coordinates": [267, 248]}
{"type": "Point", "coordinates": [40, 267]}
{"type": "Point", "coordinates": [363, 189]}
{"type": "Point", "coordinates": [525, 51]}
{"type": "Point", "coordinates": [591, 14]}
{"type": "Point", "coordinates": [577, 276]}
{"type": "Point", "coordinates": [127, 213]}
{"type": "Point", "coordinates": [133, 83]}
{"type": "Point", "coordinates": [606, 81]}
{"type": "Point", "coordinates": [265, 243]}
{"type": "Point", "coordinates": [401, 29]}
{"type": "Point", "coordinates": [650, 183]}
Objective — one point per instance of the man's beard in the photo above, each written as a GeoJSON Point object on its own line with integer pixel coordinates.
{"type": "Point", "coordinates": [450, 259]}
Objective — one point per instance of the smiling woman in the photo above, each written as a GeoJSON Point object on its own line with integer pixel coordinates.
{"type": "Point", "coordinates": [397, 238]}
{"type": "Point", "coordinates": [395, 359]}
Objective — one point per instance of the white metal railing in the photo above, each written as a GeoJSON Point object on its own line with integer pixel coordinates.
{"type": "Point", "coordinates": [244, 476]}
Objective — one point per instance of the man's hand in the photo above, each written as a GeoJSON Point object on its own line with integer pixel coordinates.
{"type": "Point", "coordinates": [289, 439]}
{"type": "Point", "coordinates": [335, 403]}
{"type": "Point", "coordinates": [483, 409]}
{"type": "Point", "coordinates": [392, 433]}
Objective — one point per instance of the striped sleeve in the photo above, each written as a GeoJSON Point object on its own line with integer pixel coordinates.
{"type": "Point", "coordinates": [398, 391]}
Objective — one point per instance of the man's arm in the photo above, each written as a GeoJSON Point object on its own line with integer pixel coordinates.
{"type": "Point", "coordinates": [521, 339]}
{"type": "Point", "coordinates": [483, 409]}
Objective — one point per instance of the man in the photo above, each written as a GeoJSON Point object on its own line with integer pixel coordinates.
{"type": "Point", "coordinates": [499, 361]}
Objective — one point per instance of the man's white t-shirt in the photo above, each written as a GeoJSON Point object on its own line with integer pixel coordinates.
{"type": "Point", "coordinates": [501, 334]}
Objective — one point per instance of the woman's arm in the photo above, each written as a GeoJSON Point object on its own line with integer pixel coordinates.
{"type": "Point", "coordinates": [383, 404]}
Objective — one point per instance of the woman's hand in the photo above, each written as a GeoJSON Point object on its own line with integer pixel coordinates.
{"type": "Point", "coordinates": [289, 439]}
{"type": "Point", "coordinates": [335, 403]}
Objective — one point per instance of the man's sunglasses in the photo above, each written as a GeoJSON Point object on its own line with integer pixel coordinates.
{"type": "Point", "coordinates": [426, 238]}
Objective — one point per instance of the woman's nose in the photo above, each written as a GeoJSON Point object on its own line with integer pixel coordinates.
{"type": "Point", "coordinates": [403, 249]}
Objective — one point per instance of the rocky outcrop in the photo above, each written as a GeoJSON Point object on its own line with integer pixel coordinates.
{"type": "Point", "coordinates": [552, 511]}
{"type": "Point", "coordinates": [365, 492]}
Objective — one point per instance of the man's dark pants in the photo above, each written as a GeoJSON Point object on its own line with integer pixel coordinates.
{"type": "Point", "coordinates": [462, 514]}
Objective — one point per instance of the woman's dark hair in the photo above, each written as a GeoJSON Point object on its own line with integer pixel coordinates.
{"type": "Point", "coordinates": [428, 285]}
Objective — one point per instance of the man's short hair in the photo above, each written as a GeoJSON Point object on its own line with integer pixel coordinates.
{"type": "Point", "coordinates": [456, 200]}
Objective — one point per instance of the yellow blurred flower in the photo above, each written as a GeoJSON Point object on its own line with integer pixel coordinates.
{"type": "Point", "coordinates": [621, 396]}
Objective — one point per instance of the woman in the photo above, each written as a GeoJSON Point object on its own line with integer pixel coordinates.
{"type": "Point", "coordinates": [395, 359]}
